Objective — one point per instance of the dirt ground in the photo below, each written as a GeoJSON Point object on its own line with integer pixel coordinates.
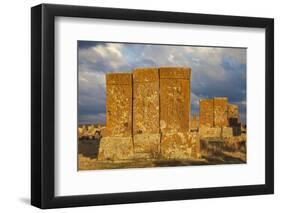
{"type": "Point", "coordinates": [88, 152]}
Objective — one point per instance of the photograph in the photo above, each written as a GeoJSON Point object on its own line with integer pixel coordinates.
{"type": "Point", "coordinates": [136, 105]}
{"type": "Point", "coordinates": [143, 105]}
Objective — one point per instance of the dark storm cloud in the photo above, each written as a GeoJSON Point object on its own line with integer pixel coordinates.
{"type": "Point", "coordinates": [215, 72]}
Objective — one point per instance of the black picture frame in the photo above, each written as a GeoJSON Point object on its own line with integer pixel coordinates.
{"type": "Point", "coordinates": [43, 102]}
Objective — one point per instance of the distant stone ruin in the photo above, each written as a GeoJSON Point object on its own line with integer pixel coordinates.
{"type": "Point", "coordinates": [219, 120]}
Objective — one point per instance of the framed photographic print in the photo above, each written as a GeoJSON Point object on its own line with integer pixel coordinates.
{"type": "Point", "coordinates": [139, 106]}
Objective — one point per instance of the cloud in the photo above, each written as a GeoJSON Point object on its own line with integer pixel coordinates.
{"type": "Point", "coordinates": [102, 57]}
{"type": "Point", "coordinates": [215, 71]}
{"type": "Point", "coordinates": [97, 118]}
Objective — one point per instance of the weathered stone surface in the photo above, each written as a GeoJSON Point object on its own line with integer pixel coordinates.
{"type": "Point", "coordinates": [237, 139]}
{"type": "Point", "coordinates": [175, 73]}
{"type": "Point", "coordinates": [145, 101]}
{"type": "Point", "coordinates": [210, 132]}
{"type": "Point", "coordinates": [233, 115]}
{"type": "Point", "coordinates": [234, 119]}
{"type": "Point", "coordinates": [220, 111]}
{"type": "Point", "coordinates": [195, 144]}
{"type": "Point", "coordinates": [147, 144]}
{"type": "Point", "coordinates": [232, 111]}
{"type": "Point", "coordinates": [176, 142]}
{"type": "Point", "coordinates": [116, 148]}
{"type": "Point", "coordinates": [194, 122]}
{"type": "Point", "coordinates": [206, 113]}
{"type": "Point", "coordinates": [174, 99]}
{"type": "Point", "coordinates": [104, 132]}
{"type": "Point", "coordinates": [175, 146]}
{"type": "Point", "coordinates": [146, 112]}
{"type": "Point", "coordinates": [227, 132]}
{"type": "Point", "coordinates": [119, 104]}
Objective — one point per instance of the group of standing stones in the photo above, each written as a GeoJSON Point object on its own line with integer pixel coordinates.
{"type": "Point", "coordinates": [218, 118]}
{"type": "Point", "coordinates": [147, 116]}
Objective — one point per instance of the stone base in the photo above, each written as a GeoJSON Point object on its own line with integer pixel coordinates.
{"type": "Point", "coordinates": [178, 146]}
{"type": "Point", "coordinates": [210, 132]}
{"type": "Point", "coordinates": [227, 132]}
{"type": "Point", "coordinates": [237, 139]}
{"type": "Point", "coordinates": [147, 145]}
{"type": "Point", "coordinates": [116, 148]}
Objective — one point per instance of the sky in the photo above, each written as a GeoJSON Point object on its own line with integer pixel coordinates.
{"type": "Point", "coordinates": [216, 71]}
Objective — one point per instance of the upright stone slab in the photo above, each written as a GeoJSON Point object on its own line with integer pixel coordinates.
{"type": "Point", "coordinates": [232, 111]}
{"type": "Point", "coordinates": [119, 104]}
{"type": "Point", "coordinates": [233, 115]}
{"type": "Point", "coordinates": [206, 113]}
{"type": "Point", "coordinates": [174, 112]}
{"type": "Point", "coordinates": [220, 111]}
{"type": "Point", "coordinates": [146, 135]}
{"type": "Point", "coordinates": [118, 145]}
{"type": "Point", "coordinates": [174, 99]}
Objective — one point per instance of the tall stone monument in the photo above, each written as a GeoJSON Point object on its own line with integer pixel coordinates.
{"type": "Point", "coordinates": [174, 99]}
{"type": "Point", "coordinates": [233, 114]}
{"type": "Point", "coordinates": [206, 113]}
{"type": "Point", "coordinates": [174, 112]}
{"type": "Point", "coordinates": [146, 131]}
{"type": "Point", "coordinates": [213, 112]}
{"type": "Point", "coordinates": [147, 115]}
{"type": "Point", "coordinates": [220, 111]}
{"type": "Point", "coordinates": [118, 144]}
{"type": "Point", "coordinates": [234, 119]}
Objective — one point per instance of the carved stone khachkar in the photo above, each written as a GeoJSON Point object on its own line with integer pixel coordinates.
{"type": "Point", "coordinates": [119, 104]}
{"type": "Point", "coordinates": [233, 115]}
{"type": "Point", "coordinates": [147, 113]}
{"type": "Point", "coordinates": [118, 144]}
{"type": "Point", "coordinates": [174, 99]}
{"type": "Point", "coordinates": [220, 111]}
{"type": "Point", "coordinates": [206, 113]}
{"type": "Point", "coordinates": [146, 132]}
{"type": "Point", "coordinates": [234, 119]}
{"type": "Point", "coordinates": [176, 142]}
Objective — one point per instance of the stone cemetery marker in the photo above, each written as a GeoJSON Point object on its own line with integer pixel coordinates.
{"type": "Point", "coordinates": [176, 142]}
{"type": "Point", "coordinates": [119, 104]}
{"type": "Point", "coordinates": [206, 113]}
{"type": "Point", "coordinates": [174, 99]}
{"type": "Point", "coordinates": [146, 111]}
{"type": "Point", "coordinates": [220, 111]}
{"type": "Point", "coordinates": [233, 115]}
{"type": "Point", "coordinates": [145, 101]}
